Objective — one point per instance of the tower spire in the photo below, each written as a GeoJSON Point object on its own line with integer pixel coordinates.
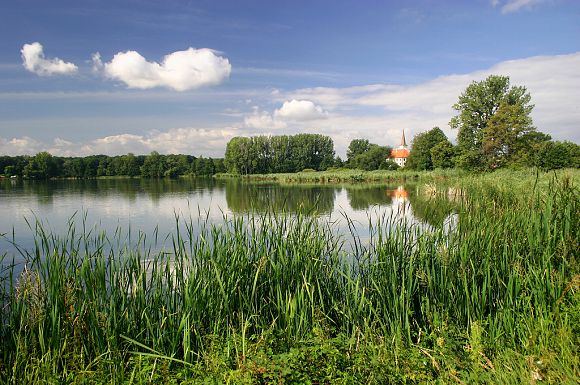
{"type": "Point", "coordinates": [403, 141]}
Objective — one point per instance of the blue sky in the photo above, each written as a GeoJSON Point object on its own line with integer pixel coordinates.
{"type": "Point", "coordinates": [186, 76]}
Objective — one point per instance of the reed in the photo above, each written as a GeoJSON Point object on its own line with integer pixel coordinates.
{"type": "Point", "coordinates": [109, 306]}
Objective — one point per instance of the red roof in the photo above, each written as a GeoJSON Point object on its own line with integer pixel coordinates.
{"type": "Point", "coordinates": [399, 153]}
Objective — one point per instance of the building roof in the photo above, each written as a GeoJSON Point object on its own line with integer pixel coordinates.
{"type": "Point", "coordinates": [399, 153]}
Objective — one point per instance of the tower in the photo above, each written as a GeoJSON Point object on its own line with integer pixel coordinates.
{"type": "Point", "coordinates": [401, 153]}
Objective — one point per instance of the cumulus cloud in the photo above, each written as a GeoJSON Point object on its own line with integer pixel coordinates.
{"type": "Point", "coordinates": [263, 120]}
{"type": "Point", "coordinates": [181, 70]}
{"type": "Point", "coordinates": [300, 110]}
{"type": "Point", "coordinates": [34, 61]}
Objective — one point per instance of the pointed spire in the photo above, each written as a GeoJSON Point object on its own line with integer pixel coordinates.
{"type": "Point", "coordinates": [403, 141]}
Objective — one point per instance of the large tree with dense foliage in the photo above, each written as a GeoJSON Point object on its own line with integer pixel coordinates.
{"type": "Point", "coordinates": [357, 147]}
{"type": "Point", "coordinates": [476, 106]}
{"type": "Point", "coordinates": [41, 166]}
{"type": "Point", "coordinates": [368, 156]}
{"type": "Point", "coordinates": [510, 138]}
{"type": "Point", "coordinates": [420, 157]}
{"type": "Point", "coordinates": [443, 154]}
{"type": "Point", "coordinates": [375, 158]}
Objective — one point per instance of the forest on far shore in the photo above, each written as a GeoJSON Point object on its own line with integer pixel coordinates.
{"type": "Point", "coordinates": [45, 166]}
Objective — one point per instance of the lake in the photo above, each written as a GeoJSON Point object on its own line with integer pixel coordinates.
{"type": "Point", "coordinates": [149, 207]}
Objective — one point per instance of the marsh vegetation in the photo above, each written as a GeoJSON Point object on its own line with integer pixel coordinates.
{"type": "Point", "coordinates": [284, 298]}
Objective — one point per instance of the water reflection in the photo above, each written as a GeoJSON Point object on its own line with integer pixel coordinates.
{"type": "Point", "coordinates": [147, 204]}
{"type": "Point", "coordinates": [127, 188]}
{"type": "Point", "coordinates": [363, 197]}
{"type": "Point", "coordinates": [244, 198]}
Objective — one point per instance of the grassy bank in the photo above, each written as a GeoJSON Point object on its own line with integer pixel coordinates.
{"type": "Point", "coordinates": [283, 299]}
{"type": "Point", "coordinates": [398, 176]}
{"type": "Point", "coordinates": [347, 176]}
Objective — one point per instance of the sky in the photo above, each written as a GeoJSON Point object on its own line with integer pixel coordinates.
{"type": "Point", "coordinates": [109, 77]}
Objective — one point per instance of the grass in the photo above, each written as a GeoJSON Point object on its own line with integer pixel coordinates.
{"type": "Point", "coordinates": [284, 299]}
{"type": "Point", "coordinates": [342, 175]}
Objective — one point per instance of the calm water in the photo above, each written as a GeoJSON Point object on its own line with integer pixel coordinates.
{"type": "Point", "coordinates": [151, 206]}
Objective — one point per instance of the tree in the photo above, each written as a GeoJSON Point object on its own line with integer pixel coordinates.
{"type": "Point", "coordinates": [555, 155]}
{"type": "Point", "coordinates": [237, 158]}
{"type": "Point", "coordinates": [10, 171]}
{"type": "Point", "coordinates": [509, 136]}
{"type": "Point", "coordinates": [420, 157]}
{"type": "Point", "coordinates": [203, 166]}
{"type": "Point", "coordinates": [129, 165]}
{"type": "Point", "coordinates": [442, 155]}
{"type": "Point", "coordinates": [476, 106]}
{"type": "Point", "coordinates": [153, 166]}
{"type": "Point", "coordinates": [261, 154]}
{"type": "Point", "coordinates": [281, 148]}
{"type": "Point", "coordinates": [375, 158]}
{"type": "Point", "coordinates": [355, 148]}
{"type": "Point", "coordinates": [41, 166]}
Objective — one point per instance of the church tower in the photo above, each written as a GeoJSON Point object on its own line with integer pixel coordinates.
{"type": "Point", "coordinates": [401, 153]}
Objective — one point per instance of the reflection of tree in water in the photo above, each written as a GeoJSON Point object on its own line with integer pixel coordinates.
{"type": "Point", "coordinates": [431, 210]}
{"type": "Point", "coordinates": [43, 190]}
{"type": "Point", "coordinates": [252, 197]}
{"type": "Point", "coordinates": [363, 197]}
{"type": "Point", "coordinates": [129, 188]}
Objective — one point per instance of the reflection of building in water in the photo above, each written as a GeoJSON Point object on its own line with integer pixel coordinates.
{"type": "Point", "coordinates": [401, 153]}
{"type": "Point", "coordinates": [400, 199]}
{"type": "Point", "coordinates": [400, 194]}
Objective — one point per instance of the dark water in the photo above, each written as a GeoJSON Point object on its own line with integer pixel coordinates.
{"type": "Point", "coordinates": [150, 206]}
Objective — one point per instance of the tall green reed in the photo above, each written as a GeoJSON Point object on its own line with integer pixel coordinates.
{"type": "Point", "coordinates": [89, 296]}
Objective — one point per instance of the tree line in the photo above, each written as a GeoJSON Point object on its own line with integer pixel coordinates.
{"type": "Point", "coordinates": [45, 166]}
{"type": "Point", "coordinates": [278, 154]}
{"type": "Point", "coordinates": [494, 130]}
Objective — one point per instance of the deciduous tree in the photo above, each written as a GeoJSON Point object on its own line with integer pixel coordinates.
{"type": "Point", "coordinates": [509, 136]}
{"type": "Point", "coordinates": [476, 106]}
{"type": "Point", "coordinates": [420, 157]}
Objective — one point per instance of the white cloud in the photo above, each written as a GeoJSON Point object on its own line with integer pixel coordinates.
{"type": "Point", "coordinates": [553, 82]}
{"type": "Point", "coordinates": [510, 6]}
{"type": "Point", "coordinates": [195, 141]}
{"type": "Point", "coordinates": [34, 61]}
{"type": "Point", "coordinates": [97, 62]}
{"type": "Point", "coordinates": [263, 120]}
{"type": "Point", "coordinates": [378, 112]}
{"type": "Point", "coordinates": [181, 70]}
{"type": "Point", "coordinates": [292, 112]}
{"type": "Point", "coordinates": [300, 110]}
{"type": "Point", "coordinates": [19, 146]}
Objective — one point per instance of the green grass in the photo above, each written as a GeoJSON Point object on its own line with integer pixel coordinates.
{"type": "Point", "coordinates": [284, 299]}
{"type": "Point", "coordinates": [342, 175]}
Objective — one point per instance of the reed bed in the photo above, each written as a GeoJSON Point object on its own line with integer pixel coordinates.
{"type": "Point", "coordinates": [284, 299]}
